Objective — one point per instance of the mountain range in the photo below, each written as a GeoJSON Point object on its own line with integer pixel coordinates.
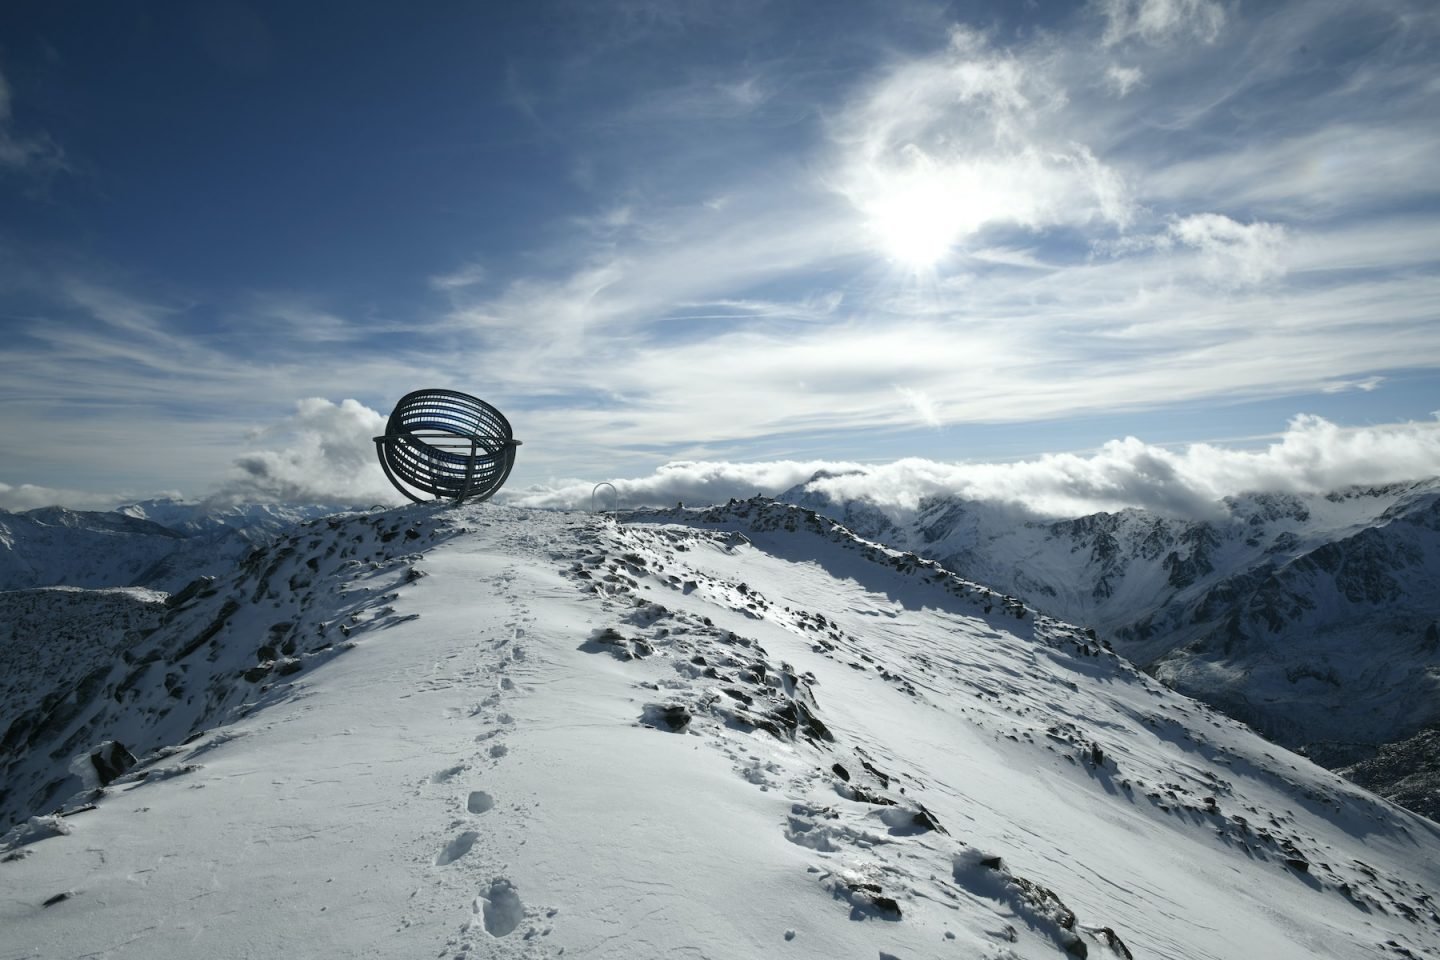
{"type": "Point", "coordinates": [482, 731]}
{"type": "Point", "coordinates": [161, 544]}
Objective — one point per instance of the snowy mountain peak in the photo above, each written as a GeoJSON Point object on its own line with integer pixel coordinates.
{"type": "Point", "coordinates": [95, 521]}
{"type": "Point", "coordinates": [740, 731]}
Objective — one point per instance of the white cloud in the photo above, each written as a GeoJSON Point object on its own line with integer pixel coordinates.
{"type": "Point", "coordinates": [1312, 455]}
{"type": "Point", "coordinates": [1214, 247]}
{"type": "Point", "coordinates": [1122, 80]}
{"type": "Point", "coordinates": [925, 408]}
{"type": "Point", "coordinates": [1367, 385]}
{"type": "Point", "coordinates": [292, 320]}
{"type": "Point", "coordinates": [1162, 21]}
{"type": "Point", "coordinates": [1352, 161]}
{"type": "Point", "coordinates": [944, 146]}
{"type": "Point", "coordinates": [468, 275]}
{"type": "Point", "coordinates": [691, 482]}
{"type": "Point", "coordinates": [1232, 252]}
{"type": "Point", "coordinates": [28, 496]}
{"type": "Point", "coordinates": [329, 458]}
{"type": "Point", "coordinates": [749, 92]}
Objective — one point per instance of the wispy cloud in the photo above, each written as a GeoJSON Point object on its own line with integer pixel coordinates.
{"type": "Point", "coordinates": [1123, 79]}
{"type": "Point", "coordinates": [1229, 253]}
{"type": "Point", "coordinates": [1367, 385]}
{"type": "Point", "coordinates": [460, 278]}
{"type": "Point", "coordinates": [1161, 21]}
{"type": "Point", "coordinates": [925, 408]}
{"type": "Point", "coordinates": [31, 153]}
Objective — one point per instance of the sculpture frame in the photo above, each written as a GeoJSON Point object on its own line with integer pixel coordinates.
{"type": "Point", "coordinates": [447, 445]}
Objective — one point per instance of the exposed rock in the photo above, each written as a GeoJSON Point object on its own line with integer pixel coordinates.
{"type": "Point", "coordinates": [110, 759]}
{"type": "Point", "coordinates": [666, 716]}
{"type": "Point", "coordinates": [189, 592]}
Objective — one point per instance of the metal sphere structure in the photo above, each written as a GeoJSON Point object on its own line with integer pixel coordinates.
{"type": "Point", "coordinates": [446, 444]}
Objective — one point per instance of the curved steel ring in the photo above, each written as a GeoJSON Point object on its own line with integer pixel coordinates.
{"type": "Point", "coordinates": [446, 444]}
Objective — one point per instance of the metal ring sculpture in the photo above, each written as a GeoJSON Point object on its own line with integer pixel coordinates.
{"type": "Point", "coordinates": [446, 444]}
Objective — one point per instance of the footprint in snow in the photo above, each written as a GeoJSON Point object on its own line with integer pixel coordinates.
{"type": "Point", "coordinates": [499, 750]}
{"type": "Point", "coordinates": [500, 908]}
{"type": "Point", "coordinates": [449, 773]}
{"type": "Point", "coordinates": [456, 848]}
{"type": "Point", "coordinates": [479, 801]}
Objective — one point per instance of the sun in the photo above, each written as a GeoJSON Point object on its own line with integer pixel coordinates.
{"type": "Point", "coordinates": [911, 228]}
{"type": "Point", "coordinates": [920, 210]}
{"type": "Point", "coordinates": [919, 215]}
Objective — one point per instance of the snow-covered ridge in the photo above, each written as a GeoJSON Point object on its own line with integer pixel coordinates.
{"type": "Point", "coordinates": [1314, 618]}
{"type": "Point", "coordinates": [733, 732]}
{"type": "Point", "coordinates": [148, 669]}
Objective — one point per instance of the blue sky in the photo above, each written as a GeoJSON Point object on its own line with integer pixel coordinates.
{"type": "Point", "coordinates": [696, 231]}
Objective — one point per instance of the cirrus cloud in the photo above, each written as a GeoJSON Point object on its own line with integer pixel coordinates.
{"type": "Point", "coordinates": [1161, 21]}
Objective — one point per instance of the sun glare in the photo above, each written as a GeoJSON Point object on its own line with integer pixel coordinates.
{"type": "Point", "coordinates": [910, 227]}
{"type": "Point", "coordinates": [919, 215]}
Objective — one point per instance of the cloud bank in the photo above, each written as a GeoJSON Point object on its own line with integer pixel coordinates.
{"type": "Point", "coordinates": [324, 453]}
{"type": "Point", "coordinates": [29, 496]}
{"type": "Point", "coordinates": [1313, 455]}
{"type": "Point", "coordinates": [327, 456]}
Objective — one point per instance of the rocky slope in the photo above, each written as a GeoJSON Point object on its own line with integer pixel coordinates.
{"type": "Point", "coordinates": [1316, 619]}
{"type": "Point", "coordinates": [146, 668]}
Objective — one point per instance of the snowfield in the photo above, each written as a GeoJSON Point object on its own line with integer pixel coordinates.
{"type": "Point", "coordinates": [737, 732]}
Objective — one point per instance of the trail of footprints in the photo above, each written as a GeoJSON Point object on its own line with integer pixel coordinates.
{"type": "Point", "coordinates": [499, 918]}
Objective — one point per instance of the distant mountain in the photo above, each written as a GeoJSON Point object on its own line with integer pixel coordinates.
{"type": "Point", "coordinates": [162, 544]}
{"type": "Point", "coordinates": [256, 522]}
{"type": "Point", "coordinates": [1314, 618]}
{"type": "Point", "coordinates": [481, 731]}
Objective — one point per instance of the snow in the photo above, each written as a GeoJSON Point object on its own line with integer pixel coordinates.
{"type": "Point", "coordinates": [876, 759]}
{"type": "Point", "coordinates": [1310, 616]}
